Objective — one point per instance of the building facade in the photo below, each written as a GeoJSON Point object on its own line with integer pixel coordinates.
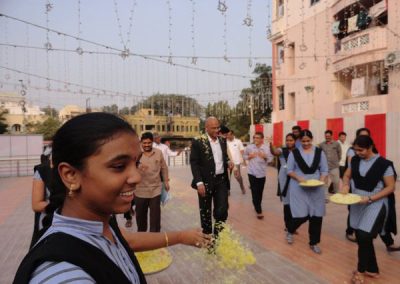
{"type": "Point", "coordinates": [19, 112]}
{"type": "Point", "coordinates": [176, 126]}
{"type": "Point", "coordinates": [335, 58]}
{"type": "Point", "coordinates": [336, 65]}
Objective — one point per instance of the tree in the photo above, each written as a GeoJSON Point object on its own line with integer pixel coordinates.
{"type": "Point", "coordinates": [111, 109]}
{"type": "Point", "coordinates": [47, 128]}
{"type": "Point", "coordinates": [164, 104]}
{"type": "Point", "coordinates": [3, 123]}
{"type": "Point", "coordinates": [49, 111]}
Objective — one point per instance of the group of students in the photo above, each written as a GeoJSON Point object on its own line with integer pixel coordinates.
{"type": "Point", "coordinates": [93, 172]}
{"type": "Point", "coordinates": [367, 174]}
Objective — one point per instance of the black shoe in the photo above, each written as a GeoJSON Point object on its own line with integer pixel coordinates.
{"type": "Point", "coordinates": [393, 249]}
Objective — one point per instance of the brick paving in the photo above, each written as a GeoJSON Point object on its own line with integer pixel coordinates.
{"type": "Point", "coordinates": [277, 262]}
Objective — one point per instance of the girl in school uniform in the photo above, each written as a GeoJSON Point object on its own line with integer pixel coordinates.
{"type": "Point", "coordinates": [307, 204]}
{"type": "Point", "coordinates": [283, 179]}
{"type": "Point", "coordinates": [95, 172]}
{"type": "Point", "coordinates": [372, 177]}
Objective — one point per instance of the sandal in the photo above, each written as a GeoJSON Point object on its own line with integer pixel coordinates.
{"type": "Point", "coordinates": [357, 278]}
{"type": "Point", "coordinates": [351, 238]}
{"type": "Point", "coordinates": [372, 274]}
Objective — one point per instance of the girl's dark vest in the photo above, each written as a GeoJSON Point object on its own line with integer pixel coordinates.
{"type": "Point", "coordinates": [60, 247]}
{"type": "Point", "coordinates": [285, 153]}
{"type": "Point", "coordinates": [303, 165]}
{"type": "Point", "coordinates": [369, 182]}
{"type": "Point", "coordinates": [373, 176]}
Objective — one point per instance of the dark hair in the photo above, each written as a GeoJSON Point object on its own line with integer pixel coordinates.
{"type": "Point", "coordinates": [296, 127]}
{"type": "Point", "coordinates": [328, 132]}
{"type": "Point", "coordinates": [364, 141]}
{"type": "Point", "coordinates": [342, 133]}
{"type": "Point", "coordinates": [306, 132]}
{"type": "Point", "coordinates": [44, 160]}
{"type": "Point", "coordinates": [224, 129]}
{"type": "Point", "coordinates": [259, 134]}
{"type": "Point", "coordinates": [290, 135]}
{"type": "Point", "coordinates": [361, 130]}
{"type": "Point", "coordinates": [147, 135]}
{"type": "Point", "coordinates": [78, 139]}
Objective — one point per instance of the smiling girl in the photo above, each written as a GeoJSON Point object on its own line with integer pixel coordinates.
{"type": "Point", "coordinates": [94, 174]}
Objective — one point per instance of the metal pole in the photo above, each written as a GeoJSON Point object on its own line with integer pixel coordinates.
{"type": "Point", "coordinates": [251, 110]}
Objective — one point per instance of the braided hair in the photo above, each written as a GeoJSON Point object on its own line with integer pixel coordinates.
{"type": "Point", "coordinates": [78, 139]}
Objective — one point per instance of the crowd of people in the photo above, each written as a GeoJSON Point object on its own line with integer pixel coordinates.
{"type": "Point", "coordinates": [78, 190]}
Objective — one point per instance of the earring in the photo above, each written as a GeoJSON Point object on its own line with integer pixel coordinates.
{"type": "Point", "coordinates": [71, 190]}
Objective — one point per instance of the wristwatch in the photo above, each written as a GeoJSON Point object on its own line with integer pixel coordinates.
{"type": "Point", "coordinates": [369, 199]}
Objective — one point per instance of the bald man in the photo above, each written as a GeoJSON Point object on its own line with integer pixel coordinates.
{"type": "Point", "coordinates": [209, 164]}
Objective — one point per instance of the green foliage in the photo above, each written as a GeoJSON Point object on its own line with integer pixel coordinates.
{"type": "Point", "coordinates": [49, 111]}
{"type": "Point", "coordinates": [238, 118]}
{"type": "Point", "coordinates": [111, 109]}
{"type": "Point", "coordinates": [3, 124]}
{"type": "Point", "coordinates": [47, 128]}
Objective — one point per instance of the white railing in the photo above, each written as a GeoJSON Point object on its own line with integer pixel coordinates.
{"type": "Point", "coordinates": [181, 160]}
{"type": "Point", "coordinates": [17, 167]}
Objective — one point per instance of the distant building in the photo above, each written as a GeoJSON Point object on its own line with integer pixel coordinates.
{"type": "Point", "coordinates": [70, 111]}
{"type": "Point", "coordinates": [167, 126]}
{"type": "Point", "coordinates": [19, 112]}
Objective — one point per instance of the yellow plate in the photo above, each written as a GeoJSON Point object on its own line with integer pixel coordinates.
{"type": "Point", "coordinates": [345, 199]}
{"type": "Point", "coordinates": [311, 183]}
{"type": "Point", "coordinates": [154, 260]}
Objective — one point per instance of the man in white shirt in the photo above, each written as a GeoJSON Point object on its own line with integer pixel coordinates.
{"type": "Point", "coordinates": [344, 147]}
{"type": "Point", "coordinates": [165, 150]}
{"type": "Point", "coordinates": [235, 153]}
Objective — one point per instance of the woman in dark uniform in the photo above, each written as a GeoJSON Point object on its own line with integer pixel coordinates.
{"type": "Point", "coordinates": [283, 179]}
{"type": "Point", "coordinates": [372, 177]}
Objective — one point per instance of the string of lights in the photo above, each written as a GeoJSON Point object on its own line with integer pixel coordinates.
{"type": "Point", "coordinates": [130, 53]}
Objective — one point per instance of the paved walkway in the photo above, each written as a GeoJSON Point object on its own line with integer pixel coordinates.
{"type": "Point", "coordinates": [277, 262]}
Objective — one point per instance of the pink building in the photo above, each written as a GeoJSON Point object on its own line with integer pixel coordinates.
{"type": "Point", "coordinates": [336, 64]}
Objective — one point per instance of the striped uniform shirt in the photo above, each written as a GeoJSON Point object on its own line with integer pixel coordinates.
{"type": "Point", "coordinates": [92, 233]}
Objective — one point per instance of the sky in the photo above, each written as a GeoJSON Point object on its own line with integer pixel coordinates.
{"type": "Point", "coordinates": [103, 77]}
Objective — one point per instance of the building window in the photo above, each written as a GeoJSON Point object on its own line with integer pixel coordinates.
{"type": "Point", "coordinates": [16, 128]}
{"type": "Point", "coordinates": [163, 128]}
{"type": "Point", "coordinates": [196, 128]}
{"type": "Point", "coordinates": [149, 112]}
{"type": "Point", "coordinates": [281, 53]}
{"type": "Point", "coordinates": [187, 128]}
{"type": "Point", "coordinates": [191, 128]}
{"type": "Point", "coordinates": [177, 128]}
{"type": "Point", "coordinates": [280, 8]}
{"type": "Point", "coordinates": [314, 2]}
{"type": "Point", "coordinates": [281, 96]}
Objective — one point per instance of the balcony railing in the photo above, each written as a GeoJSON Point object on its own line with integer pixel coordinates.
{"type": "Point", "coordinates": [371, 39]}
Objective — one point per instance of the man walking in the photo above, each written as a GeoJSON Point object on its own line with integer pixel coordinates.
{"type": "Point", "coordinates": [296, 132]}
{"type": "Point", "coordinates": [165, 150]}
{"type": "Point", "coordinates": [258, 156]}
{"type": "Point", "coordinates": [148, 191]}
{"type": "Point", "coordinates": [209, 165]}
{"type": "Point", "coordinates": [344, 146]}
{"type": "Point", "coordinates": [235, 153]}
{"type": "Point", "coordinates": [333, 153]}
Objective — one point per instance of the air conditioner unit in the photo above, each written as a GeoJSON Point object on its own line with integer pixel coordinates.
{"type": "Point", "coordinates": [392, 58]}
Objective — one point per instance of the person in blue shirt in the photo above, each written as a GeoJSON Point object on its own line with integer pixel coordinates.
{"type": "Point", "coordinates": [258, 155]}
